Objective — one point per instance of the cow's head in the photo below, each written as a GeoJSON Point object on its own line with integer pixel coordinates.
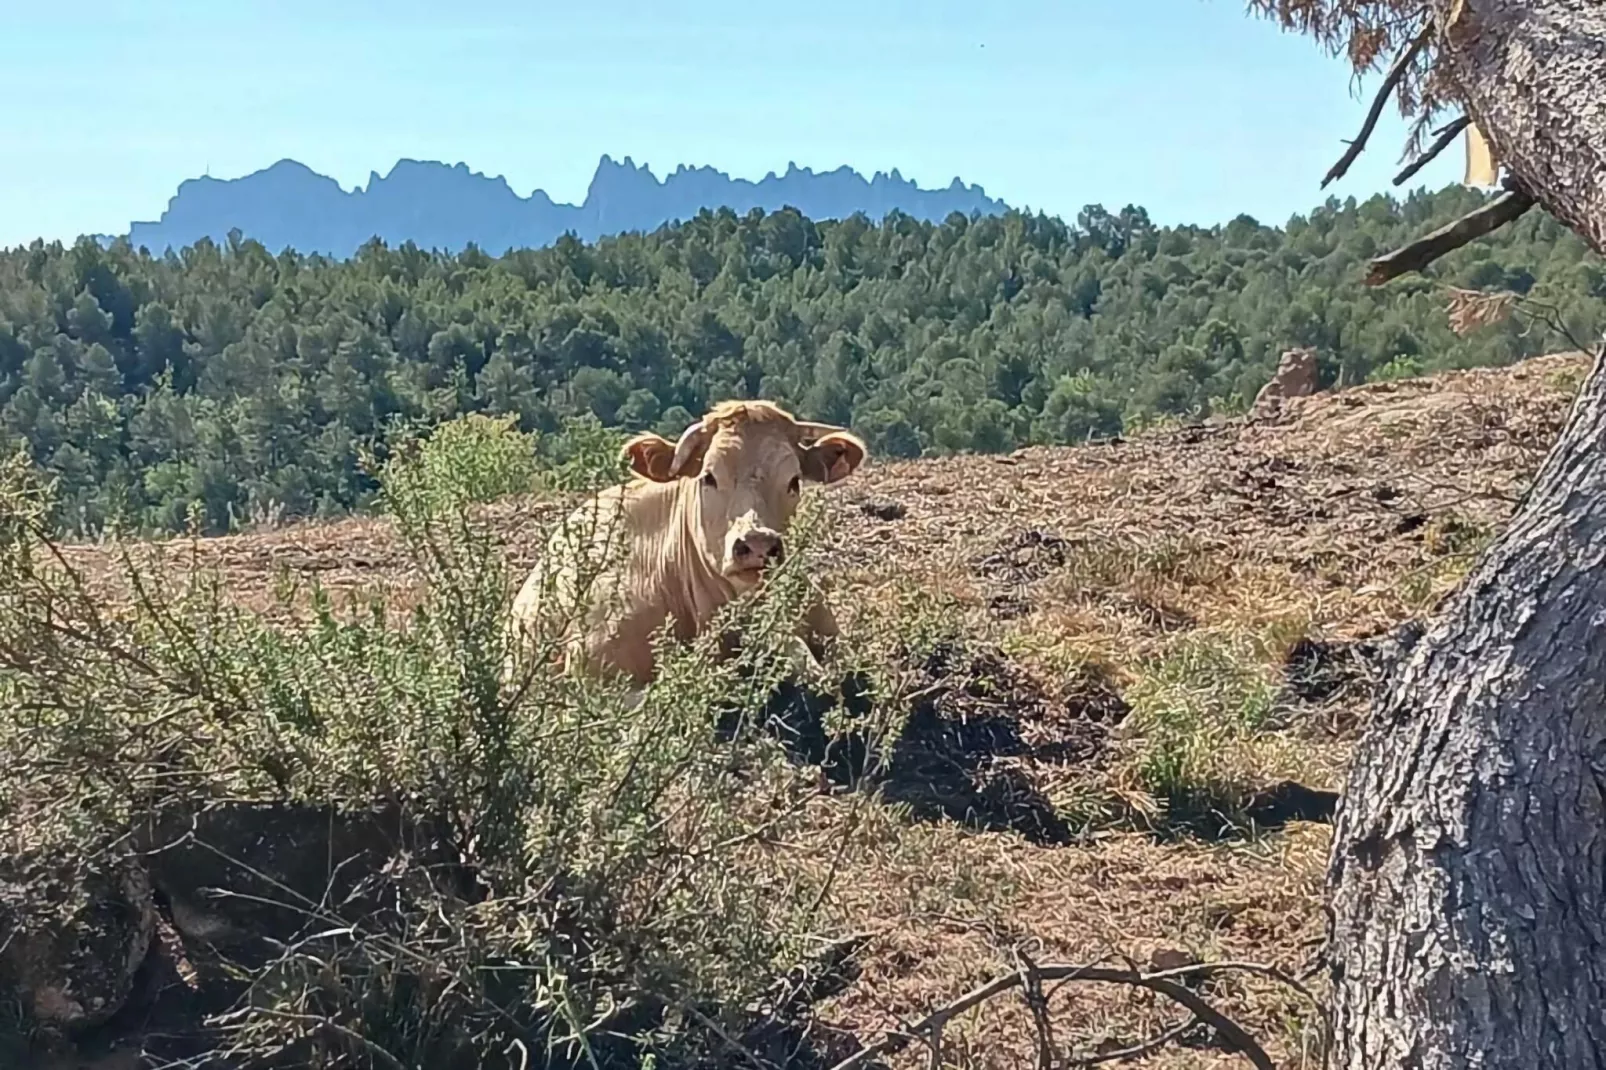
{"type": "Point", "coordinates": [745, 463]}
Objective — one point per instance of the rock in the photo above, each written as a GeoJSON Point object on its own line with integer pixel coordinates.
{"type": "Point", "coordinates": [1409, 523]}
{"type": "Point", "coordinates": [1027, 555]}
{"type": "Point", "coordinates": [883, 509]}
{"type": "Point", "coordinates": [155, 938]}
{"type": "Point", "coordinates": [1297, 376]}
{"type": "Point", "coordinates": [1008, 606]}
{"type": "Point", "coordinates": [74, 936]}
{"type": "Point", "coordinates": [1383, 653]}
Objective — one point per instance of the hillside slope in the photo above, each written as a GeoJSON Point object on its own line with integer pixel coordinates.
{"type": "Point", "coordinates": [1241, 552]}
{"type": "Point", "coordinates": [1338, 490]}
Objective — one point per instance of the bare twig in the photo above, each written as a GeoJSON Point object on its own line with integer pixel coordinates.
{"type": "Point", "coordinates": [736, 1047]}
{"type": "Point", "coordinates": [1032, 986]}
{"type": "Point", "coordinates": [1549, 315]}
{"type": "Point", "coordinates": [930, 1028]}
{"type": "Point", "coordinates": [1152, 1044]}
{"type": "Point", "coordinates": [1469, 228]}
{"type": "Point", "coordinates": [1386, 90]}
{"type": "Point", "coordinates": [351, 1036]}
{"type": "Point", "coordinates": [1446, 134]}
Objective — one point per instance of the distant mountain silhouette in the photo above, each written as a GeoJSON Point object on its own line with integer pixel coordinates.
{"type": "Point", "coordinates": [437, 206]}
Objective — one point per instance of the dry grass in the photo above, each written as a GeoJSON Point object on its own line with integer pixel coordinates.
{"type": "Point", "coordinates": [1349, 514]}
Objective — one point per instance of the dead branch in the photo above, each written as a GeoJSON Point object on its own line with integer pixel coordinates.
{"type": "Point", "coordinates": [1469, 228]}
{"type": "Point", "coordinates": [1154, 1043]}
{"type": "Point", "coordinates": [1032, 985]}
{"type": "Point", "coordinates": [1548, 314]}
{"type": "Point", "coordinates": [1386, 90]}
{"type": "Point", "coordinates": [736, 1047]}
{"type": "Point", "coordinates": [929, 1028]}
{"type": "Point", "coordinates": [1445, 135]}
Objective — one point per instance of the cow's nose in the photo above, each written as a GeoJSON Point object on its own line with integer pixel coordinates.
{"type": "Point", "coordinates": [760, 547]}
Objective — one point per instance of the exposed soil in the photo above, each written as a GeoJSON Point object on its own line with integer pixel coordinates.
{"type": "Point", "coordinates": [977, 728]}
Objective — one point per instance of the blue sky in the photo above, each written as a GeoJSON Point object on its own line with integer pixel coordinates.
{"type": "Point", "coordinates": [1189, 108]}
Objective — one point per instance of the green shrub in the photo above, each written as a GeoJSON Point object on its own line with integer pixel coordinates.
{"type": "Point", "coordinates": [1404, 366]}
{"type": "Point", "coordinates": [582, 455]}
{"type": "Point", "coordinates": [629, 885]}
{"type": "Point", "coordinates": [477, 458]}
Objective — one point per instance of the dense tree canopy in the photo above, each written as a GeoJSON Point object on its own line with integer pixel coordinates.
{"type": "Point", "coordinates": [248, 384]}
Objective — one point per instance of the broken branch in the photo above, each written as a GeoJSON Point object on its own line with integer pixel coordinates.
{"type": "Point", "coordinates": [1469, 228]}
{"type": "Point", "coordinates": [930, 1027]}
{"type": "Point", "coordinates": [1446, 134]}
{"type": "Point", "coordinates": [1386, 90]}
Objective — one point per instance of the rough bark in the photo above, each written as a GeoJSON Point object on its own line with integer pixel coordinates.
{"type": "Point", "coordinates": [1468, 876]}
{"type": "Point", "coordinates": [1532, 74]}
{"type": "Point", "coordinates": [1469, 865]}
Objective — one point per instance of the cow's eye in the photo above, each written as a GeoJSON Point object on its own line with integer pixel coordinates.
{"type": "Point", "coordinates": [794, 486]}
{"type": "Point", "coordinates": [709, 481]}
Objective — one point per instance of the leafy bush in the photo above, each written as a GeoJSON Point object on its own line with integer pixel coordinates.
{"type": "Point", "coordinates": [1401, 367]}
{"type": "Point", "coordinates": [627, 882]}
{"type": "Point", "coordinates": [477, 458]}
{"type": "Point", "coordinates": [583, 455]}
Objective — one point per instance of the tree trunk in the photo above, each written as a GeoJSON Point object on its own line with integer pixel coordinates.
{"type": "Point", "coordinates": [1468, 875]}
{"type": "Point", "coordinates": [1469, 865]}
{"type": "Point", "coordinates": [1532, 74]}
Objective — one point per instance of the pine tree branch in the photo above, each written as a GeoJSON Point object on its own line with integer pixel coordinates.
{"type": "Point", "coordinates": [1446, 134]}
{"type": "Point", "coordinates": [1386, 90]}
{"type": "Point", "coordinates": [1469, 228]}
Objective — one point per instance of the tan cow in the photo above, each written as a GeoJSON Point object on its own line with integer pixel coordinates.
{"type": "Point", "coordinates": [697, 526]}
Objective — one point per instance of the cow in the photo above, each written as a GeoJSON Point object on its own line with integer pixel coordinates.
{"type": "Point", "coordinates": [697, 526]}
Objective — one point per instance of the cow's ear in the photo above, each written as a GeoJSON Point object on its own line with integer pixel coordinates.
{"type": "Point", "coordinates": [650, 457]}
{"type": "Point", "coordinates": [833, 457]}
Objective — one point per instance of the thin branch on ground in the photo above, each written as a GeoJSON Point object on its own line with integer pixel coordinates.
{"type": "Point", "coordinates": [1390, 82]}
{"type": "Point", "coordinates": [929, 1029]}
{"type": "Point", "coordinates": [1446, 134]}
{"type": "Point", "coordinates": [318, 1023]}
{"type": "Point", "coordinates": [1154, 1043]}
{"type": "Point", "coordinates": [1469, 228]}
{"type": "Point", "coordinates": [1032, 986]}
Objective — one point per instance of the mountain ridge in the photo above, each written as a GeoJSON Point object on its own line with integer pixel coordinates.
{"type": "Point", "coordinates": [449, 206]}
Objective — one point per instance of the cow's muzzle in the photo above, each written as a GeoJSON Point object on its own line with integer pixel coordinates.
{"type": "Point", "coordinates": [757, 549]}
